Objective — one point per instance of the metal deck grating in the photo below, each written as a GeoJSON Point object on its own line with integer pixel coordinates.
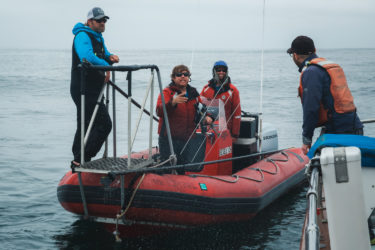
{"type": "Point", "coordinates": [106, 165]}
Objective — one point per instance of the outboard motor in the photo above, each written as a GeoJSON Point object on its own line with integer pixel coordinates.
{"type": "Point", "coordinates": [270, 139]}
{"type": "Point", "coordinates": [247, 143]}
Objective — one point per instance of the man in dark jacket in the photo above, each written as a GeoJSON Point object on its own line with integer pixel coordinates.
{"type": "Point", "coordinates": [324, 92]}
{"type": "Point", "coordinates": [89, 45]}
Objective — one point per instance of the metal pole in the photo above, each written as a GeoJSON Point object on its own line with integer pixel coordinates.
{"type": "Point", "coordinates": [81, 189]}
{"type": "Point", "coordinates": [133, 101]}
{"type": "Point", "coordinates": [129, 77]}
{"type": "Point", "coordinates": [368, 121]}
{"type": "Point", "coordinates": [260, 129]}
{"type": "Point", "coordinates": [94, 114]}
{"type": "Point", "coordinates": [312, 230]}
{"type": "Point", "coordinates": [114, 117]}
{"type": "Point", "coordinates": [105, 155]}
{"type": "Point", "coordinates": [260, 136]}
{"type": "Point", "coordinates": [83, 92]}
{"type": "Point", "coordinates": [174, 161]}
{"type": "Point", "coordinates": [122, 183]}
{"type": "Point", "coordinates": [151, 115]}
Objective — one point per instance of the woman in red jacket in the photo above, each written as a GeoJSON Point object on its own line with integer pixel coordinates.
{"type": "Point", "coordinates": [181, 101]}
{"type": "Point", "coordinates": [220, 87]}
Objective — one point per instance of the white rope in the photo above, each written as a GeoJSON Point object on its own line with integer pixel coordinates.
{"type": "Point", "coordinates": [161, 163]}
{"type": "Point", "coordinates": [118, 216]}
{"type": "Point", "coordinates": [142, 110]}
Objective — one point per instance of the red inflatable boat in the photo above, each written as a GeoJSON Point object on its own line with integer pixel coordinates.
{"type": "Point", "coordinates": [158, 202]}
{"type": "Point", "coordinates": [222, 182]}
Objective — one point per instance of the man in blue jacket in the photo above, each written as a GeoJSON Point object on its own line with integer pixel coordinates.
{"type": "Point", "coordinates": [89, 45]}
{"type": "Point", "coordinates": [324, 92]}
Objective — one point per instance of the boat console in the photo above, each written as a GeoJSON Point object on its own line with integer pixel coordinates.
{"type": "Point", "coordinates": [248, 141]}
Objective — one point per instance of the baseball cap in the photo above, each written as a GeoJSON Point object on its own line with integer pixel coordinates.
{"type": "Point", "coordinates": [302, 45]}
{"type": "Point", "coordinates": [96, 13]}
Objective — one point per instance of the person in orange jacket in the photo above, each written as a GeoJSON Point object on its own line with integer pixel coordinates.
{"type": "Point", "coordinates": [182, 101]}
{"type": "Point", "coordinates": [220, 87]}
{"type": "Point", "coordinates": [324, 92]}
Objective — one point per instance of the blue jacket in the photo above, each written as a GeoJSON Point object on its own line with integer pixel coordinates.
{"type": "Point", "coordinates": [316, 89]}
{"type": "Point", "coordinates": [83, 46]}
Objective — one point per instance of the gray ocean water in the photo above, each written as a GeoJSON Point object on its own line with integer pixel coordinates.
{"type": "Point", "coordinates": [37, 125]}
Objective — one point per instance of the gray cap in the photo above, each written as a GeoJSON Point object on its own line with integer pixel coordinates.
{"type": "Point", "coordinates": [96, 13]}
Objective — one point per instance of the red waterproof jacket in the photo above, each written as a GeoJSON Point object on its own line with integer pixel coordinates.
{"type": "Point", "coordinates": [181, 117]}
{"type": "Point", "coordinates": [230, 95]}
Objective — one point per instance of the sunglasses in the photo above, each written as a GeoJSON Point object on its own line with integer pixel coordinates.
{"type": "Point", "coordinates": [182, 74]}
{"type": "Point", "coordinates": [103, 20]}
{"type": "Point", "coordinates": [221, 70]}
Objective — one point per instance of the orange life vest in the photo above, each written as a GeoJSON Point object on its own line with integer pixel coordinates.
{"type": "Point", "coordinates": [342, 97]}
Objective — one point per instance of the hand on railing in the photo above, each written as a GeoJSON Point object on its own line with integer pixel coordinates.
{"type": "Point", "coordinates": [114, 58]}
{"type": "Point", "coordinates": [305, 148]}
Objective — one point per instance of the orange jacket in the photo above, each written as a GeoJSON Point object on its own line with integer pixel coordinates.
{"type": "Point", "coordinates": [231, 98]}
{"type": "Point", "coordinates": [342, 97]}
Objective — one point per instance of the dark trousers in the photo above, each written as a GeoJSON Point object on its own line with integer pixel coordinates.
{"type": "Point", "coordinates": [195, 148]}
{"type": "Point", "coordinates": [100, 130]}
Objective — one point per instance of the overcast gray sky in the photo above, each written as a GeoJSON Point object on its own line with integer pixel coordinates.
{"type": "Point", "coordinates": [191, 24]}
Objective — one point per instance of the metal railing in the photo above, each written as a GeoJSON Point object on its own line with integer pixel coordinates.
{"type": "Point", "coordinates": [85, 68]}
{"type": "Point", "coordinates": [312, 233]}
